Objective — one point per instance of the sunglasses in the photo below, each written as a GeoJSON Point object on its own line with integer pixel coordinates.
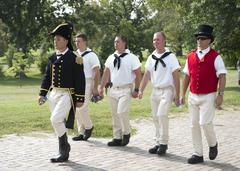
{"type": "Point", "coordinates": [202, 38]}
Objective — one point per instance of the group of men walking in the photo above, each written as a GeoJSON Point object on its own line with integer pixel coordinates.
{"type": "Point", "coordinates": [72, 79]}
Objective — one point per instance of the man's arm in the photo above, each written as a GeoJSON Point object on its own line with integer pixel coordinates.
{"type": "Point", "coordinates": [96, 70]}
{"type": "Point", "coordinates": [176, 82]}
{"type": "Point", "coordinates": [185, 83]}
{"type": "Point", "coordinates": [137, 82]}
{"type": "Point", "coordinates": [143, 83]}
{"type": "Point", "coordinates": [221, 87]}
{"type": "Point", "coordinates": [105, 79]}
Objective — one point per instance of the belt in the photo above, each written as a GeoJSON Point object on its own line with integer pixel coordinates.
{"type": "Point", "coordinates": [71, 90]}
{"type": "Point", "coordinates": [123, 86]}
{"type": "Point", "coordinates": [162, 88]}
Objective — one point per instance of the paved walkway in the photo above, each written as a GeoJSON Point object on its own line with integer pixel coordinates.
{"type": "Point", "coordinates": [28, 153]}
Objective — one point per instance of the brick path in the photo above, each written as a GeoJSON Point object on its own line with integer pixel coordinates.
{"type": "Point", "coordinates": [32, 152]}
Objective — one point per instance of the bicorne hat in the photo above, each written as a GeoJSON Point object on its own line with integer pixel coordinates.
{"type": "Point", "coordinates": [65, 30]}
{"type": "Point", "coordinates": [205, 30]}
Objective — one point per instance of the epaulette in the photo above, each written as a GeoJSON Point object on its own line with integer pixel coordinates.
{"type": "Point", "coordinates": [79, 59]}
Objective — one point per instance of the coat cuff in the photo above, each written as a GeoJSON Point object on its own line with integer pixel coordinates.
{"type": "Point", "coordinates": [80, 98]}
{"type": "Point", "coordinates": [43, 92]}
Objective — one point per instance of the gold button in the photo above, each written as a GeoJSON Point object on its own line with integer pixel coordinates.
{"type": "Point", "coordinates": [59, 75]}
{"type": "Point", "coordinates": [61, 60]}
{"type": "Point", "coordinates": [60, 66]}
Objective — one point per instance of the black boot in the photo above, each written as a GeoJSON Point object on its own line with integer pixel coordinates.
{"type": "Point", "coordinates": [87, 134]}
{"type": "Point", "coordinates": [64, 149]}
{"type": "Point", "coordinates": [125, 140]}
{"type": "Point", "coordinates": [115, 142]}
{"type": "Point", "coordinates": [195, 159]}
{"type": "Point", "coordinates": [78, 138]}
{"type": "Point", "coordinates": [162, 149]}
{"type": "Point", "coordinates": [213, 152]}
{"type": "Point", "coordinates": [153, 150]}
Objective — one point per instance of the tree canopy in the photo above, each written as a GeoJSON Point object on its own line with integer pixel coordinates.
{"type": "Point", "coordinates": [26, 24]}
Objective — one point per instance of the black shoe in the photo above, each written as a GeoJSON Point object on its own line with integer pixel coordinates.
{"type": "Point", "coordinates": [213, 152]}
{"type": "Point", "coordinates": [162, 149]}
{"type": "Point", "coordinates": [78, 138]}
{"type": "Point", "coordinates": [153, 150]}
{"type": "Point", "coordinates": [195, 159]}
{"type": "Point", "coordinates": [115, 142]}
{"type": "Point", "coordinates": [87, 134]}
{"type": "Point", "coordinates": [125, 140]}
{"type": "Point", "coordinates": [64, 149]}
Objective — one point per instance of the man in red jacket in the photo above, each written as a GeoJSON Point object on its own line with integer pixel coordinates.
{"type": "Point", "coordinates": [205, 72]}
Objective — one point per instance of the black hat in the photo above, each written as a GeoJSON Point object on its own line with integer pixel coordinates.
{"type": "Point", "coordinates": [65, 30]}
{"type": "Point", "coordinates": [205, 30]}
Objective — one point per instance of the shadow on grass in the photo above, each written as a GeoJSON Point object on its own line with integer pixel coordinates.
{"type": "Point", "coordinates": [29, 81]}
{"type": "Point", "coordinates": [237, 89]}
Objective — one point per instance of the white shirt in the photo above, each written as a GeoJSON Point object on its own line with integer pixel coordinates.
{"type": "Point", "coordinates": [218, 63]}
{"type": "Point", "coordinates": [61, 53]}
{"type": "Point", "coordinates": [90, 61]}
{"type": "Point", "coordinates": [124, 75]}
{"type": "Point", "coordinates": [162, 77]}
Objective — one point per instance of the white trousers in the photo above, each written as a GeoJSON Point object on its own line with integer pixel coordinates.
{"type": "Point", "coordinates": [161, 100]}
{"type": "Point", "coordinates": [60, 105]}
{"type": "Point", "coordinates": [119, 98]}
{"type": "Point", "coordinates": [82, 113]}
{"type": "Point", "coordinates": [202, 111]}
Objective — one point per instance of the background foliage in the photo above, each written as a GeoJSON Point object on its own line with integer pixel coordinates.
{"type": "Point", "coordinates": [25, 25]}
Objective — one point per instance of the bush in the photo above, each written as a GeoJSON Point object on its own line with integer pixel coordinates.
{"type": "Point", "coordinates": [1, 71]}
{"type": "Point", "coordinates": [43, 58]}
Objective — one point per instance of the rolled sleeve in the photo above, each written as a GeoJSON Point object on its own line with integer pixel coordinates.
{"type": "Point", "coordinates": [219, 66]}
{"type": "Point", "coordinates": [185, 69]}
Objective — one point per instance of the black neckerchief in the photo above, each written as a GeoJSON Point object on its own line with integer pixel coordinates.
{"type": "Point", "coordinates": [117, 59]}
{"type": "Point", "coordinates": [160, 59]}
{"type": "Point", "coordinates": [85, 53]}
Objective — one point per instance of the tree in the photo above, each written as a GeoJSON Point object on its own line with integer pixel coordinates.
{"type": "Point", "coordinates": [25, 20]}
{"type": "Point", "coordinates": [104, 20]}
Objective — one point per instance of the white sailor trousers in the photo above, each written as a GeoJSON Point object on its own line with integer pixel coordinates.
{"type": "Point", "coordinates": [82, 113]}
{"type": "Point", "coordinates": [161, 100]}
{"type": "Point", "coordinates": [119, 98]}
{"type": "Point", "coordinates": [202, 111]}
{"type": "Point", "coordinates": [60, 105]}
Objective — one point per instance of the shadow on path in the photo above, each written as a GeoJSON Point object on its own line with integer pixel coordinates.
{"type": "Point", "coordinates": [79, 167]}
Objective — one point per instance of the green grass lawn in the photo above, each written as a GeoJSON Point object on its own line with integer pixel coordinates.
{"type": "Point", "coordinates": [20, 113]}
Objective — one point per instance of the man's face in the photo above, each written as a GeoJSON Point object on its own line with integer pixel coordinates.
{"type": "Point", "coordinates": [203, 42]}
{"type": "Point", "coordinates": [119, 44]}
{"type": "Point", "coordinates": [60, 42]}
{"type": "Point", "coordinates": [158, 41]}
{"type": "Point", "coordinates": [80, 43]}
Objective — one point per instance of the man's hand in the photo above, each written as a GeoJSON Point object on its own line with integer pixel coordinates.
{"type": "Point", "coordinates": [79, 104]}
{"type": "Point", "coordinates": [95, 92]}
{"type": "Point", "coordinates": [41, 100]}
{"type": "Point", "coordinates": [134, 94]}
{"type": "Point", "coordinates": [182, 100]}
{"type": "Point", "coordinates": [100, 91]}
{"type": "Point", "coordinates": [140, 94]}
{"type": "Point", "coordinates": [219, 101]}
{"type": "Point", "coordinates": [177, 101]}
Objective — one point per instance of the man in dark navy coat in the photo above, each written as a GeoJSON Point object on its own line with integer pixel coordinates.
{"type": "Point", "coordinates": [65, 80]}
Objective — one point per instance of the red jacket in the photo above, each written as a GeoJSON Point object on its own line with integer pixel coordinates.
{"type": "Point", "coordinates": [203, 79]}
